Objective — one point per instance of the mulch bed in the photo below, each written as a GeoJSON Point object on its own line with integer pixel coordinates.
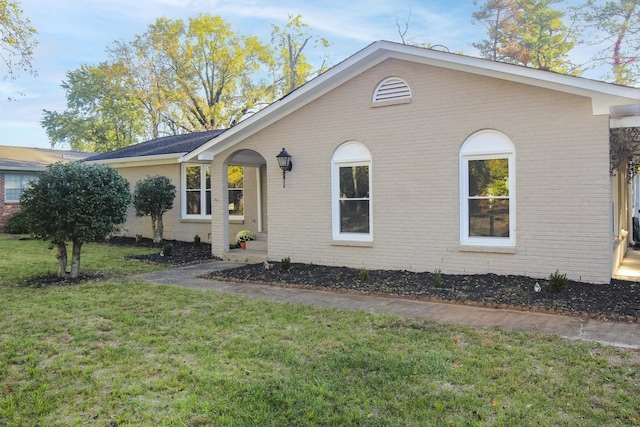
{"type": "Point", "coordinates": [619, 300]}
{"type": "Point", "coordinates": [182, 253]}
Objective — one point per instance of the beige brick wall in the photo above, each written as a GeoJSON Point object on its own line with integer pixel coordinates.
{"type": "Point", "coordinates": [563, 198]}
{"type": "Point", "coordinates": [176, 228]}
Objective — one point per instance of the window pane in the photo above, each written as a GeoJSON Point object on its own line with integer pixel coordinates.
{"type": "Point", "coordinates": [236, 177]}
{"type": "Point", "coordinates": [193, 177]}
{"type": "Point", "coordinates": [193, 202]}
{"type": "Point", "coordinates": [489, 178]}
{"type": "Point", "coordinates": [12, 194]}
{"type": "Point", "coordinates": [489, 217]}
{"type": "Point", "coordinates": [14, 185]}
{"type": "Point", "coordinates": [207, 176]}
{"type": "Point", "coordinates": [208, 207]}
{"type": "Point", "coordinates": [236, 202]}
{"type": "Point", "coordinates": [354, 182]}
{"type": "Point", "coordinates": [354, 216]}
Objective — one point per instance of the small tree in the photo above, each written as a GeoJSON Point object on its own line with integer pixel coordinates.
{"type": "Point", "coordinates": [75, 202]}
{"type": "Point", "coordinates": [154, 196]}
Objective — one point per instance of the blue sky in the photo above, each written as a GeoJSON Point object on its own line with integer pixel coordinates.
{"type": "Point", "coordinates": [76, 32]}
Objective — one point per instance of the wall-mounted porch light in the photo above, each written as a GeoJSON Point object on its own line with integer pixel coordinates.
{"type": "Point", "coordinates": [284, 161]}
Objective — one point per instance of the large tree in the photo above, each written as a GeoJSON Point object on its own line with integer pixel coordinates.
{"type": "Point", "coordinates": [526, 32]}
{"type": "Point", "coordinates": [198, 75]}
{"type": "Point", "coordinates": [181, 77]}
{"type": "Point", "coordinates": [290, 42]}
{"type": "Point", "coordinates": [618, 24]}
{"type": "Point", "coordinates": [75, 202]}
{"type": "Point", "coordinates": [101, 115]}
{"type": "Point", "coordinates": [154, 196]}
{"type": "Point", "coordinates": [17, 41]}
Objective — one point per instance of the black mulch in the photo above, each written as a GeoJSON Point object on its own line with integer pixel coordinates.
{"type": "Point", "coordinates": [182, 253]}
{"type": "Point", "coordinates": [619, 300]}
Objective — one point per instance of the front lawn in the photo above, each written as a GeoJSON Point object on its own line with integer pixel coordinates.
{"type": "Point", "coordinates": [117, 352]}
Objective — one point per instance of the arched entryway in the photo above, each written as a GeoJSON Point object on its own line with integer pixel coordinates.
{"type": "Point", "coordinates": [245, 191]}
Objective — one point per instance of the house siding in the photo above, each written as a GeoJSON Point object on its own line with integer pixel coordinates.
{"type": "Point", "coordinates": [563, 194]}
{"type": "Point", "coordinates": [175, 227]}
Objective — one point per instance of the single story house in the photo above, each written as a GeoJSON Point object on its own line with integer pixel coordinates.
{"type": "Point", "coordinates": [410, 158]}
{"type": "Point", "coordinates": [18, 166]}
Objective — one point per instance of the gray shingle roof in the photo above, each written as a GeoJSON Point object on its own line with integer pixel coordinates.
{"type": "Point", "coordinates": [35, 159]}
{"type": "Point", "coordinates": [174, 144]}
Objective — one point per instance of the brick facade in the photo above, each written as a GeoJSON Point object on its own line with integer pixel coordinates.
{"type": "Point", "coordinates": [562, 201]}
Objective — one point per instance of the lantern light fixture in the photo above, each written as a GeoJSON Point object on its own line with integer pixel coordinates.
{"type": "Point", "coordinates": [284, 161]}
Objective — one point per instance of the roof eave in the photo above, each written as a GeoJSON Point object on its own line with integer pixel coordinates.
{"type": "Point", "coordinates": [160, 159]}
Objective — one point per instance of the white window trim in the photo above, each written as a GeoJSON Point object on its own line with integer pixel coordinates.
{"type": "Point", "coordinates": [349, 154]}
{"type": "Point", "coordinates": [484, 145]}
{"type": "Point", "coordinates": [183, 192]}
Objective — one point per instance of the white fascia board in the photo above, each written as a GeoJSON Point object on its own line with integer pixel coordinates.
{"type": "Point", "coordinates": [161, 159]}
{"type": "Point", "coordinates": [625, 122]}
{"type": "Point", "coordinates": [603, 95]}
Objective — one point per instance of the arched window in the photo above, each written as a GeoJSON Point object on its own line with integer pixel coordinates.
{"type": "Point", "coordinates": [351, 192]}
{"type": "Point", "coordinates": [487, 190]}
{"type": "Point", "coordinates": [392, 90]}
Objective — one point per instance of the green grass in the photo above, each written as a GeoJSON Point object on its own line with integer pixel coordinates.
{"type": "Point", "coordinates": [20, 259]}
{"type": "Point", "coordinates": [139, 354]}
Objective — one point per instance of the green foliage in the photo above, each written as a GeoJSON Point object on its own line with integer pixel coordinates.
{"type": "Point", "coordinates": [167, 249]}
{"type": "Point", "coordinates": [363, 275]}
{"type": "Point", "coordinates": [76, 202]}
{"type": "Point", "coordinates": [196, 240]}
{"type": "Point", "coordinates": [17, 224]}
{"type": "Point", "coordinates": [437, 278]}
{"type": "Point", "coordinates": [154, 196]}
{"type": "Point", "coordinates": [101, 115]}
{"type": "Point", "coordinates": [285, 264]}
{"type": "Point", "coordinates": [557, 281]}
{"type": "Point", "coordinates": [289, 43]}
{"type": "Point", "coordinates": [526, 32]}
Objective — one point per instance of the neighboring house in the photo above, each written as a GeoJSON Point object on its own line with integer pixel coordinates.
{"type": "Point", "coordinates": [416, 159]}
{"type": "Point", "coordinates": [18, 166]}
{"type": "Point", "coordinates": [191, 213]}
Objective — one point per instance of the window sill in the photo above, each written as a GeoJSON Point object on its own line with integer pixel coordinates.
{"type": "Point", "coordinates": [487, 249]}
{"type": "Point", "coordinates": [354, 243]}
{"type": "Point", "coordinates": [195, 220]}
{"type": "Point", "coordinates": [236, 221]}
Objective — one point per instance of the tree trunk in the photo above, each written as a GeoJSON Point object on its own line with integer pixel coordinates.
{"type": "Point", "coordinates": [75, 259]}
{"type": "Point", "coordinates": [158, 228]}
{"type": "Point", "coordinates": [62, 259]}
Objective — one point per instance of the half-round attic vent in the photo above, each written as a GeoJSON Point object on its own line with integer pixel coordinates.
{"type": "Point", "coordinates": [392, 90]}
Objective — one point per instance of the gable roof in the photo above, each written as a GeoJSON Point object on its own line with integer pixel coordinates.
{"type": "Point", "coordinates": [167, 147]}
{"type": "Point", "coordinates": [603, 95]}
{"type": "Point", "coordinates": [31, 159]}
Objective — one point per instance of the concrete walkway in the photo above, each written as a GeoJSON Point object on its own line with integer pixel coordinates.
{"type": "Point", "coordinates": [619, 334]}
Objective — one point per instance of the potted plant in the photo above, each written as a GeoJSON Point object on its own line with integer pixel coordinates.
{"type": "Point", "coordinates": [243, 237]}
